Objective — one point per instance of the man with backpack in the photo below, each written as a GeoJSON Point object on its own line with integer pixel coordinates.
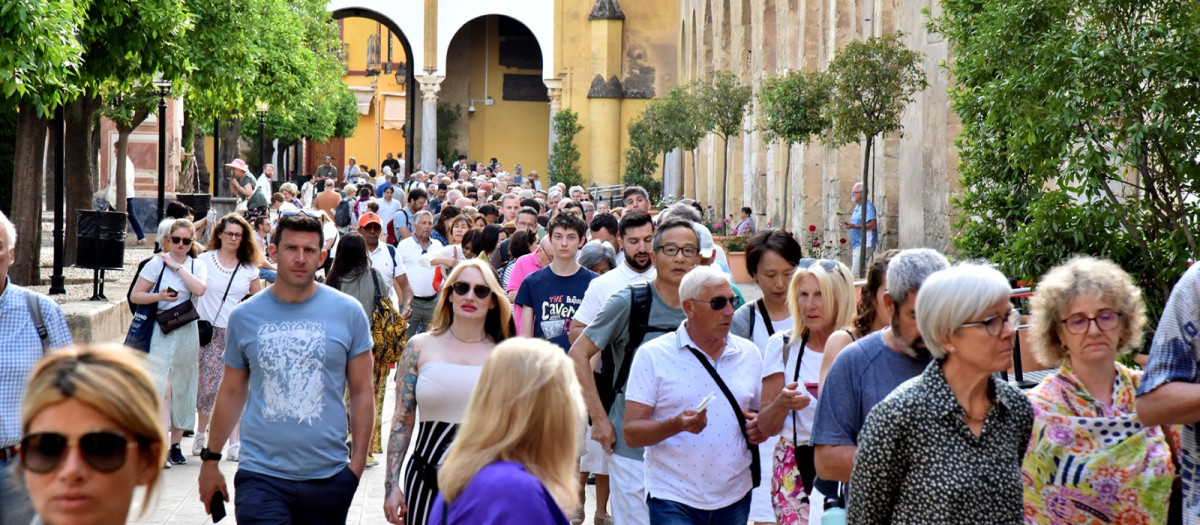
{"type": "Point", "coordinates": [636, 314]}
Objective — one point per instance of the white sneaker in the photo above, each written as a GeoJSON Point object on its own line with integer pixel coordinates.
{"type": "Point", "coordinates": [234, 450]}
{"type": "Point", "coordinates": [168, 465]}
{"type": "Point", "coordinates": [199, 442]}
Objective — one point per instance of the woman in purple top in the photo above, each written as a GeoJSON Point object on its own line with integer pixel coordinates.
{"type": "Point", "coordinates": [516, 455]}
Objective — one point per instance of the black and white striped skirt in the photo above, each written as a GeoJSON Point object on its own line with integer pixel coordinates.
{"type": "Point", "coordinates": [420, 476]}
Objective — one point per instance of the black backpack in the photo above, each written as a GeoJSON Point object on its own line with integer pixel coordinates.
{"type": "Point", "coordinates": [341, 216]}
{"type": "Point", "coordinates": [611, 380]}
{"type": "Point", "coordinates": [129, 293]}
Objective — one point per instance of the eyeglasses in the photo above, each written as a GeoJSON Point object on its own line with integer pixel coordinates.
{"type": "Point", "coordinates": [825, 264]}
{"type": "Point", "coordinates": [186, 241]}
{"type": "Point", "coordinates": [719, 302]}
{"type": "Point", "coordinates": [104, 451]}
{"type": "Point", "coordinates": [300, 211]}
{"type": "Point", "coordinates": [994, 325]}
{"type": "Point", "coordinates": [463, 287]}
{"type": "Point", "coordinates": [1079, 323]}
{"type": "Point", "coordinates": [671, 250]}
{"type": "Point", "coordinates": [232, 235]}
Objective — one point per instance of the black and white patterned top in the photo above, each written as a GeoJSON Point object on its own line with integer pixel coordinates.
{"type": "Point", "coordinates": [918, 462]}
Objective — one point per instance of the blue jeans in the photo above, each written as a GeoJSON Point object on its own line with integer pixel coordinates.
{"type": "Point", "coordinates": [15, 508]}
{"type": "Point", "coordinates": [666, 512]}
{"type": "Point", "coordinates": [267, 499]}
{"type": "Point", "coordinates": [133, 219]}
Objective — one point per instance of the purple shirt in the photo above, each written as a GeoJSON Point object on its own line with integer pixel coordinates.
{"type": "Point", "coordinates": [500, 493]}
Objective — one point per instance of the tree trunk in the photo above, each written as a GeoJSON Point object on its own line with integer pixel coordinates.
{"type": "Point", "coordinates": [28, 184]}
{"type": "Point", "coordinates": [862, 224]}
{"type": "Point", "coordinates": [231, 135]}
{"type": "Point", "coordinates": [80, 165]}
{"type": "Point", "coordinates": [787, 178]}
{"type": "Point", "coordinates": [725, 177]}
{"type": "Point", "coordinates": [695, 175]}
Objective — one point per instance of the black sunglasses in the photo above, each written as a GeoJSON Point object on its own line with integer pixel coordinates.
{"type": "Point", "coordinates": [463, 287]}
{"type": "Point", "coordinates": [719, 302]}
{"type": "Point", "coordinates": [104, 451]}
{"type": "Point", "coordinates": [181, 240]}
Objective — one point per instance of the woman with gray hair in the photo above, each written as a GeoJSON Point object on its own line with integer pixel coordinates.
{"type": "Point", "coordinates": [598, 256]}
{"type": "Point", "coordinates": [946, 446]}
{"type": "Point", "coordinates": [1087, 312]}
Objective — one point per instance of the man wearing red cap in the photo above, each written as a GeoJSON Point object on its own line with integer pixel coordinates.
{"type": "Point", "coordinates": [383, 258]}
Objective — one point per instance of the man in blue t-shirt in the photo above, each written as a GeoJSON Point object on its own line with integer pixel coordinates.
{"type": "Point", "coordinates": [856, 226]}
{"type": "Point", "coordinates": [549, 297]}
{"type": "Point", "coordinates": [869, 369]}
{"type": "Point", "coordinates": [288, 361]}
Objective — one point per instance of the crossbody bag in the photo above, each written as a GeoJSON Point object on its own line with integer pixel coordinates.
{"type": "Point", "coordinates": [755, 469]}
{"type": "Point", "coordinates": [206, 327]}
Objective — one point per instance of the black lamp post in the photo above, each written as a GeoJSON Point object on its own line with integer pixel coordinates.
{"type": "Point", "coordinates": [163, 89]}
{"type": "Point", "coordinates": [58, 281]}
{"type": "Point", "coordinates": [262, 137]}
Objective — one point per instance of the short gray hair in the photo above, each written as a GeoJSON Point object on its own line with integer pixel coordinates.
{"type": "Point", "coordinates": [953, 296]}
{"type": "Point", "coordinates": [679, 211]}
{"type": "Point", "coordinates": [699, 279]}
{"type": "Point", "coordinates": [909, 269]}
{"type": "Point", "coordinates": [10, 231]}
{"type": "Point", "coordinates": [422, 213]}
{"type": "Point", "coordinates": [595, 252]}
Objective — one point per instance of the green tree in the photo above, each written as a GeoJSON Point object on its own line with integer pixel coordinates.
{"type": "Point", "coordinates": [874, 80]}
{"type": "Point", "coordinates": [795, 110]}
{"type": "Point", "coordinates": [127, 112]}
{"type": "Point", "coordinates": [685, 126]}
{"type": "Point", "coordinates": [564, 155]}
{"type": "Point", "coordinates": [1079, 133]}
{"type": "Point", "coordinates": [646, 141]}
{"type": "Point", "coordinates": [722, 102]}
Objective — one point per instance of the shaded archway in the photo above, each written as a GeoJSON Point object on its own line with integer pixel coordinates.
{"type": "Point", "coordinates": [410, 81]}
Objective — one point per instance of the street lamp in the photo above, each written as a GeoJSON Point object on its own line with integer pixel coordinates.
{"type": "Point", "coordinates": [262, 134]}
{"type": "Point", "coordinates": [401, 74]}
{"type": "Point", "coordinates": [162, 89]}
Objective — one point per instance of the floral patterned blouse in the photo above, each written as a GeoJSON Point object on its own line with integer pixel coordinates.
{"type": "Point", "coordinates": [1094, 463]}
{"type": "Point", "coordinates": [919, 463]}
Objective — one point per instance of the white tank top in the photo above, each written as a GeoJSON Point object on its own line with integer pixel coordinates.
{"type": "Point", "coordinates": [444, 389]}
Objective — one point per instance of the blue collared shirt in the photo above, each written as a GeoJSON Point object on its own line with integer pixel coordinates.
{"type": "Point", "coordinates": [20, 349]}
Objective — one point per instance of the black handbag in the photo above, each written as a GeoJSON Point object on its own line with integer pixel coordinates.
{"type": "Point", "coordinates": [178, 315]}
{"type": "Point", "coordinates": [205, 327]}
{"type": "Point", "coordinates": [142, 327]}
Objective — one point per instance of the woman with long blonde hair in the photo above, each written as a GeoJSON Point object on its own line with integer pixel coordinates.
{"type": "Point", "coordinates": [517, 457]}
{"type": "Point", "coordinates": [440, 367]}
{"type": "Point", "coordinates": [821, 301]}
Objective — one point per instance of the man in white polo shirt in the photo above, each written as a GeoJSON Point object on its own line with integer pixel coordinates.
{"type": "Point", "coordinates": [700, 453]}
{"type": "Point", "coordinates": [419, 277]}
{"type": "Point", "coordinates": [383, 258]}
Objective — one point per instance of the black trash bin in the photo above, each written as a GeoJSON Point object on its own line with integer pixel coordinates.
{"type": "Point", "coordinates": [101, 240]}
{"type": "Point", "coordinates": [198, 202]}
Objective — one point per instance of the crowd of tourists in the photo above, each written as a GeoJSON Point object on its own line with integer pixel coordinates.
{"type": "Point", "coordinates": [542, 340]}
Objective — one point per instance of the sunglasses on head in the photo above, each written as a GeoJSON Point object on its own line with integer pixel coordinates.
{"type": "Point", "coordinates": [719, 302]}
{"type": "Point", "coordinates": [186, 241]}
{"type": "Point", "coordinates": [825, 264]}
{"type": "Point", "coordinates": [104, 451]}
{"type": "Point", "coordinates": [463, 287]}
{"type": "Point", "coordinates": [290, 212]}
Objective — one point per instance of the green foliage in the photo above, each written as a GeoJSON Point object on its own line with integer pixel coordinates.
{"type": "Point", "coordinates": [1079, 133]}
{"type": "Point", "coordinates": [564, 156]}
{"type": "Point", "coordinates": [795, 107]}
{"type": "Point", "coordinates": [447, 117]}
{"type": "Point", "coordinates": [641, 159]}
{"type": "Point", "coordinates": [39, 54]}
{"type": "Point", "coordinates": [684, 125]}
{"type": "Point", "coordinates": [722, 104]}
{"type": "Point", "coordinates": [128, 110]}
{"type": "Point", "coordinates": [873, 82]}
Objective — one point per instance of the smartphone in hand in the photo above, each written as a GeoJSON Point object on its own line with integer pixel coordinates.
{"type": "Point", "coordinates": [217, 506]}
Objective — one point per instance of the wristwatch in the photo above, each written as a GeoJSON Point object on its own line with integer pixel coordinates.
{"type": "Point", "coordinates": [208, 455]}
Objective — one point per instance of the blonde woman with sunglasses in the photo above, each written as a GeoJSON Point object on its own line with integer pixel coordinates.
{"type": "Point", "coordinates": [441, 367]}
{"type": "Point", "coordinates": [90, 420]}
{"type": "Point", "coordinates": [172, 278]}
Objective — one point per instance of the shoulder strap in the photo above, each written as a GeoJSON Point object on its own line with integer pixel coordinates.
{"type": "Point", "coordinates": [35, 312]}
{"type": "Point", "coordinates": [392, 252]}
{"type": "Point", "coordinates": [639, 318]}
{"type": "Point", "coordinates": [374, 281]}
{"type": "Point", "coordinates": [227, 287]}
{"type": "Point", "coordinates": [755, 473]}
{"type": "Point", "coordinates": [762, 310]}
{"type": "Point", "coordinates": [796, 376]}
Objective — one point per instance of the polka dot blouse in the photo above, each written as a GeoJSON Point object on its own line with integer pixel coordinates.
{"type": "Point", "coordinates": [919, 463]}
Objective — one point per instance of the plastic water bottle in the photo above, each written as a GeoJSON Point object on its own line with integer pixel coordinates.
{"type": "Point", "coordinates": [835, 511]}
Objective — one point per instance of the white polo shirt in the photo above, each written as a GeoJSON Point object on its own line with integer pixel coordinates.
{"type": "Point", "coordinates": [606, 286]}
{"type": "Point", "coordinates": [381, 259]}
{"type": "Point", "coordinates": [420, 278]}
{"type": "Point", "coordinates": [709, 470]}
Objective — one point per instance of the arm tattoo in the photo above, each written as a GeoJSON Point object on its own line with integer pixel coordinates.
{"type": "Point", "coordinates": [404, 417]}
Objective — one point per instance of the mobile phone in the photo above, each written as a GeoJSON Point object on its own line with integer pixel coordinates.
{"type": "Point", "coordinates": [216, 507]}
{"type": "Point", "coordinates": [704, 402]}
{"type": "Point", "coordinates": [172, 291]}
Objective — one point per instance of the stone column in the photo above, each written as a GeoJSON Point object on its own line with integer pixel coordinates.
{"type": "Point", "coordinates": [430, 85]}
{"type": "Point", "coordinates": [554, 91]}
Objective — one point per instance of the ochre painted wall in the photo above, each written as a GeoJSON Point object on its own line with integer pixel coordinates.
{"type": "Point", "coordinates": [366, 145]}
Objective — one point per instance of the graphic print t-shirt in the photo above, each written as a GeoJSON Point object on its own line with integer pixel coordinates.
{"type": "Point", "coordinates": [554, 300]}
{"type": "Point", "coordinates": [294, 425]}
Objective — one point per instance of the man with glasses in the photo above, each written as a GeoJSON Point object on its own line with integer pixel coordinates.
{"type": "Point", "coordinates": [635, 314]}
{"type": "Point", "coordinates": [291, 354]}
{"type": "Point", "coordinates": [22, 342]}
{"type": "Point", "coordinates": [869, 369]}
{"type": "Point", "coordinates": [701, 455]}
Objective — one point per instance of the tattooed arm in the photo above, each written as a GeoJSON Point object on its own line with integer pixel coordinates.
{"type": "Point", "coordinates": [403, 425]}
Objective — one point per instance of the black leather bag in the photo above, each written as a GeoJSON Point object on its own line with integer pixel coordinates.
{"type": "Point", "coordinates": [177, 316]}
